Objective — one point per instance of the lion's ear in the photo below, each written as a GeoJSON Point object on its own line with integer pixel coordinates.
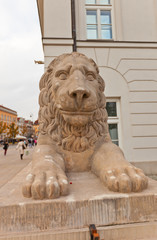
{"type": "Point", "coordinates": [43, 80]}
{"type": "Point", "coordinates": [94, 64]}
{"type": "Point", "coordinates": [43, 98]}
{"type": "Point", "coordinates": [101, 83]}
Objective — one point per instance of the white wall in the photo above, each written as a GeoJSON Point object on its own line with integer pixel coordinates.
{"type": "Point", "coordinates": [131, 75]}
{"type": "Point", "coordinates": [133, 20]}
{"type": "Point", "coordinates": [129, 69]}
{"type": "Point", "coordinates": [139, 20]}
{"type": "Point", "coordinates": [57, 19]}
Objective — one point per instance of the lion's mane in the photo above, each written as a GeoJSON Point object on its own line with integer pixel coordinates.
{"type": "Point", "coordinates": [51, 121]}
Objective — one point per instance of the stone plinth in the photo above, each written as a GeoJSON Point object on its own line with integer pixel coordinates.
{"type": "Point", "coordinates": [89, 202]}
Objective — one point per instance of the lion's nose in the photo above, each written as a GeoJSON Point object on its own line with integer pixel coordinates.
{"type": "Point", "coordinates": [79, 95]}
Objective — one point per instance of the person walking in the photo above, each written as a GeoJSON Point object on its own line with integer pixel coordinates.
{"type": "Point", "coordinates": [21, 146]}
{"type": "Point", "coordinates": [5, 147]}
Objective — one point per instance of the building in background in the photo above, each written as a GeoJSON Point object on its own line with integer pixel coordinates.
{"type": "Point", "coordinates": [7, 116]}
{"type": "Point", "coordinates": [36, 128]}
{"type": "Point", "coordinates": [27, 128]}
{"type": "Point", "coordinates": [121, 37]}
{"type": "Point", "coordinates": [20, 123]}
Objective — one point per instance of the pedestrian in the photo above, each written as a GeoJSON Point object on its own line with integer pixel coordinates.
{"type": "Point", "coordinates": [30, 142]}
{"type": "Point", "coordinates": [5, 147]}
{"type": "Point", "coordinates": [21, 146]}
{"type": "Point", "coordinates": [26, 143]}
{"type": "Point", "coordinates": [33, 142]}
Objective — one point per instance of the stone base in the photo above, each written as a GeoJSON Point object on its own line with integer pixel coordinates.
{"type": "Point", "coordinates": [116, 215]}
{"type": "Point", "coordinates": [140, 231]}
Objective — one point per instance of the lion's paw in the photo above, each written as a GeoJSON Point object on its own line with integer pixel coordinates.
{"type": "Point", "coordinates": [45, 184]}
{"type": "Point", "coordinates": [126, 179]}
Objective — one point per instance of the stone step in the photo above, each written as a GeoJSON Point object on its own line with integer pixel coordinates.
{"type": "Point", "coordinates": [136, 231]}
{"type": "Point", "coordinates": [89, 202]}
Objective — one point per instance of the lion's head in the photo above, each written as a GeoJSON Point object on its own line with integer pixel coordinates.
{"type": "Point", "coordinates": [72, 102]}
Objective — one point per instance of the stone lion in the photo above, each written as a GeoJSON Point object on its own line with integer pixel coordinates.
{"type": "Point", "coordinates": [74, 133]}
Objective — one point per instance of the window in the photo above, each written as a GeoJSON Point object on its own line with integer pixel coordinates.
{"type": "Point", "coordinates": [112, 107]}
{"type": "Point", "coordinates": [106, 28]}
{"type": "Point", "coordinates": [98, 19]}
{"type": "Point", "coordinates": [92, 24]}
{"type": "Point", "coordinates": [107, 2]}
{"type": "Point", "coordinates": [104, 2]}
{"type": "Point", "coordinates": [90, 1]}
{"type": "Point", "coordinates": [2, 117]}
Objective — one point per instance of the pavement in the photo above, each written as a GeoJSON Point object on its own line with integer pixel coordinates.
{"type": "Point", "coordinates": [11, 164]}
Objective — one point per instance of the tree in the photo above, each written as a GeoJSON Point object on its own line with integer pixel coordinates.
{"type": "Point", "coordinates": [12, 130]}
{"type": "Point", "coordinates": [23, 130]}
{"type": "Point", "coordinates": [3, 127]}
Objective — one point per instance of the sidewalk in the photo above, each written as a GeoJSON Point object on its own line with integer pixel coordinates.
{"type": "Point", "coordinates": [11, 164]}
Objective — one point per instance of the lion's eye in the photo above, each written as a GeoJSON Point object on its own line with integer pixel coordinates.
{"type": "Point", "coordinates": [90, 77]}
{"type": "Point", "coordinates": [62, 76]}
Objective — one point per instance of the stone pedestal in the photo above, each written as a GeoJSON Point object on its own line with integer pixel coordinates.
{"type": "Point", "coordinates": [117, 216]}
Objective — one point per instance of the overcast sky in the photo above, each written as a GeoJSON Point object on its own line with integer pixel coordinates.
{"type": "Point", "coordinates": [20, 45]}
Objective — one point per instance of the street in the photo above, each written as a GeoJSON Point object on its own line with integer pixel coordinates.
{"type": "Point", "coordinates": [11, 164]}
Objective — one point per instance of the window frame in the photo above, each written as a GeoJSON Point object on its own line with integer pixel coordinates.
{"type": "Point", "coordinates": [116, 119]}
{"type": "Point", "coordinates": [98, 3]}
{"type": "Point", "coordinates": [98, 8]}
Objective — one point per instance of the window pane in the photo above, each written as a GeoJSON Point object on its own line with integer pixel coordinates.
{"type": "Point", "coordinates": [92, 32]}
{"type": "Point", "coordinates": [106, 32]}
{"type": "Point", "coordinates": [90, 1]}
{"type": "Point", "coordinates": [113, 130]}
{"type": "Point", "coordinates": [116, 142]}
{"type": "Point", "coordinates": [105, 17]}
{"type": "Point", "coordinates": [91, 17]}
{"type": "Point", "coordinates": [111, 109]}
{"type": "Point", "coordinates": [106, 2]}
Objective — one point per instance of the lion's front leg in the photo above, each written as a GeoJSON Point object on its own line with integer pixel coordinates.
{"type": "Point", "coordinates": [117, 174]}
{"type": "Point", "coordinates": [47, 178]}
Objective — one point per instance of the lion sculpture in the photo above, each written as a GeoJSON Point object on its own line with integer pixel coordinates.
{"type": "Point", "coordinates": [74, 133]}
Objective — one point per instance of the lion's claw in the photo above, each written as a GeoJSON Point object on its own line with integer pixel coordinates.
{"type": "Point", "coordinates": [45, 185]}
{"type": "Point", "coordinates": [128, 179]}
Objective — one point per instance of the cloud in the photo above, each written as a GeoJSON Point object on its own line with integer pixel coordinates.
{"type": "Point", "coordinates": [20, 44]}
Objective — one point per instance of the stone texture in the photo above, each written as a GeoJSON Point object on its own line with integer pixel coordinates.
{"type": "Point", "coordinates": [74, 134]}
{"type": "Point", "coordinates": [140, 231]}
{"type": "Point", "coordinates": [88, 202]}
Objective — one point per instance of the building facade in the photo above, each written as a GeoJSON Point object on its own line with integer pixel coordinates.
{"type": "Point", "coordinates": [26, 127]}
{"type": "Point", "coordinates": [7, 116]}
{"type": "Point", "coordinates": [121, 37]}
{"type": "Point", "coordinates": [36, 128]}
